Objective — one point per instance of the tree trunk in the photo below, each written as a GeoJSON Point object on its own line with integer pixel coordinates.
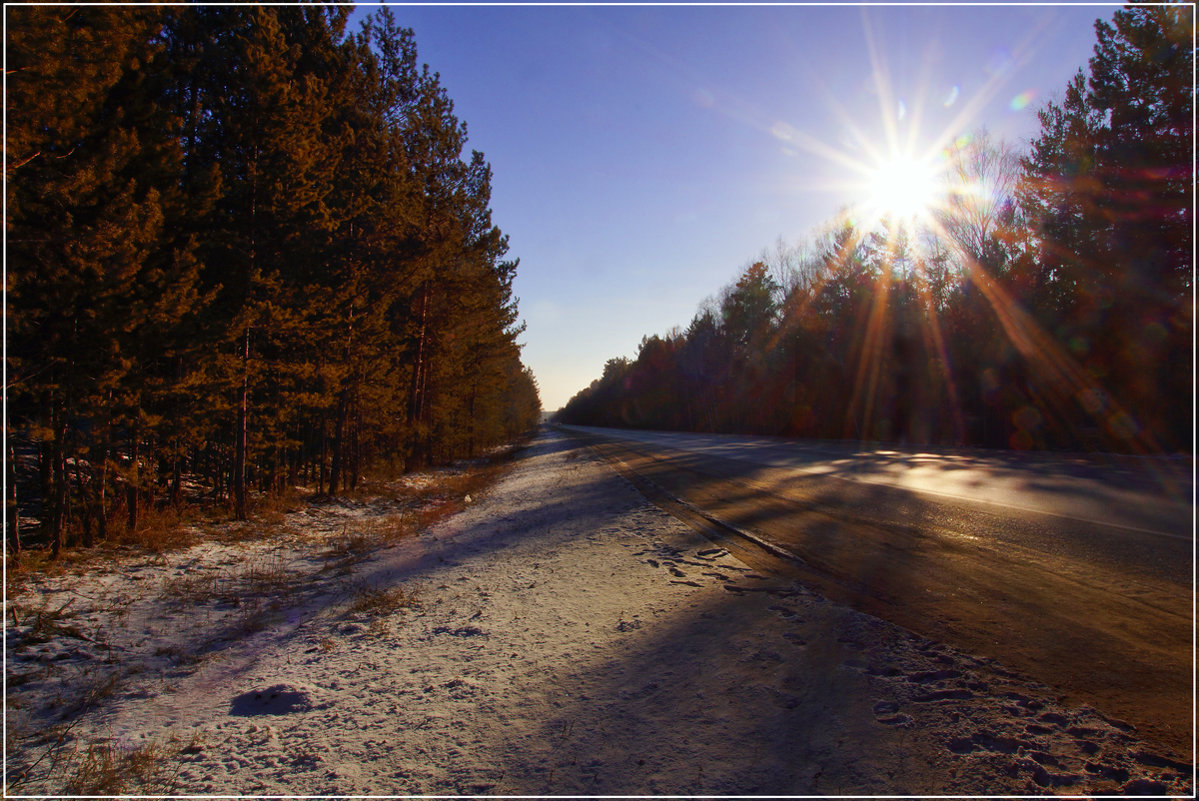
{"type": "Point", "coordinates": [355, 458]}
{"type": "Point", "coordinates": [101, 495]}
{"type": "Point", "coordinates": [320, 467]}
{"type": "Point", "coordinates": [339, 445]}
{"type": "Point", "coordinates": [131, 490]}
{"type": "Point", "coordinates": [86, 506]}
{"type": "Point", "coordinates": [56, 516]}
{"type": "Point", "coordinates": [240, 438]}
{"type": "Point", "coordinates": [416, 404]}
{"type": "Point", "coordinates": [470, 442]}
{"type": "Point", "coordinates": [11, 517]}
{"type": "Point", "coordinates": [176, 495]}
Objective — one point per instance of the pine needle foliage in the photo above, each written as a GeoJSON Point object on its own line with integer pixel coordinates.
{"type": "Point", "coordinates": [247, 249]}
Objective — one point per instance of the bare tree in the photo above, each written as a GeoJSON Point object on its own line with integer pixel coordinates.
{"type": "Point", "coordinates": [980, 204]}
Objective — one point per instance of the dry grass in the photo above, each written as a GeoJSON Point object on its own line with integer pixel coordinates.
{"type": "Point", "coordinates": [415, 508]}
{"type": "Point", "coordinates": [388, 529]}
{"type": "Point", "coordinates": [271, 510]}
{"type": "Point", "coordinates": [161, 529]}
{"type": "Point", "coordinates": [158, 530]}
{"type": "Point", "coordinates": [266, 575]}
{"type": "Point", "coordinates": [45, 623]}
{"type": "Point", "coordinates": [106, 769]}
{"type": "Point", "coordinates": [54, 753]}
{"type": "Point", "coordinates": [194, 589]}
{"type": "Point", "coordinates": [382, 601]}
{"type": "Point", "coordinates": [351, 545]}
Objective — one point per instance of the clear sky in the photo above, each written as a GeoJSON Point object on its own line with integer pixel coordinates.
{"type": "Point", "coordinates": [643, 156]}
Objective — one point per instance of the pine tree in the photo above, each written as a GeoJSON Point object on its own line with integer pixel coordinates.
{"type": "Point", "coordinates": [261, 128]}
{"type": "Point", "coordinates": [1109, 187]}
{"type": "Point", "coordinates": [244, 244]}
{"type": "Point", "coordinates": [90, 269]}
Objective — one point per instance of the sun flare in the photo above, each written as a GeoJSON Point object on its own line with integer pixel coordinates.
{"type": "Point", "coordinates": [904, 189]}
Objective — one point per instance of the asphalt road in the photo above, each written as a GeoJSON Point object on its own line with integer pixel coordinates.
{"type": "Point", "coordinates": [1076, 572]}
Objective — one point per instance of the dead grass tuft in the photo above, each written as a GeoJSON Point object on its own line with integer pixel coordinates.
{"type": "Point", "coordinates": [271, 509]}
{"type": "Point", "coordinates": [45, 623]}
{"type": "Point", "coordinates": [348, 549]}
{"type": "Point", "coordinates": [107, 769]}
{"type": "Point", "coordinates": [388, 529]}
{"type": "Point", "coordinates": [263, 576]}
{"type": "Point", "coordinates": [57, 758]}
{"type": "Point", "coordinates": [157, 530]}
{"type": "Point", "coordinates": [382, 601]}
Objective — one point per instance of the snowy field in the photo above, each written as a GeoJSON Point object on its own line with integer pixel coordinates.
{"type": "Point", "coordinates": [559, 636]}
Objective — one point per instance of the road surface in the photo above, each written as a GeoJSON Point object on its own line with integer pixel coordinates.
{"type": "Point", "coordinates": [1075, 572]}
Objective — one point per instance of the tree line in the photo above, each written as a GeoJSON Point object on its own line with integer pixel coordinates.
{"type": "Point", "coordinates": [245, 246]}
{"type": "Point", "coordinates": [1048, 304]}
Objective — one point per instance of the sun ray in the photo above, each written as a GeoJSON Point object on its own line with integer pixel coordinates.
{"type": "Point", "coordinates": [870, 358]}
{"type": "Point", "coordinates": [935, 345]}
{"type": "Point", "coordinates": [898, 176]}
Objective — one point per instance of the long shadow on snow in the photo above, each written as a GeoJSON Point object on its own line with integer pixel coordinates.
{"type": "Point", "coordinates": [447, 548]}
{"type": "Point", "coordinates": [684, 709]}
{"type": "Point", "coordinates": [884, 550]}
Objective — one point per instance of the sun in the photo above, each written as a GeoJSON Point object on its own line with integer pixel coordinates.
{"type": "Point", "coordinates": [904, 189]}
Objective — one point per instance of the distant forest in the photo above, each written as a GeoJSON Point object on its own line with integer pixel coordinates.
{"type": "Point", "coordinates": [1049, 306]}
{"type": "Point", "coordinates": [245, 248]}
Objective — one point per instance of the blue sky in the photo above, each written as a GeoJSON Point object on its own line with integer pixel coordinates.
{"type": "Point", "coordinates": [643, 156]}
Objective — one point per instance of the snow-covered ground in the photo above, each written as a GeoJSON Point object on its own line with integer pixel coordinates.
{"type": "Point", "coordinates": [559, 636]}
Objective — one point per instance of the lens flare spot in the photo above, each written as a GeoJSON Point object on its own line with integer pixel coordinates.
{"type": "Point", "coordinates": [1123, 425]}
{"type": "Point", "coordinates": [703, 98]}
{"type": "Point", "coordinates": [1092, 400]}
{"type": "Point", "coordinates": [1000, 62]}
{"type": "Point", "coordinates": [782, 131]}
{"type": "Point", "coordinates": [951, 97]}
{"type": "Point", "coordinates": [1027, 418]}
{"type": "Point", "coordinates": [1021, 101]}
{"type": "Point", "coordinates": [1154, 333]}
{"type": "Point", "coordinates": [1021, 441]}
{"type": "Point", "coordinates": [902, 111]}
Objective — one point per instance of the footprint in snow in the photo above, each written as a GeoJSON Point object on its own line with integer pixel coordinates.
{"type": "Point", "coordinates": [795, 639]}
{"type": "Point", "coordinates": [887, 713]}
{"type": "Point", "coordinates": [464, 631]}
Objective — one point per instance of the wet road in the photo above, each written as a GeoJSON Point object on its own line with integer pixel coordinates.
{"type": "Point", "coordinates": [1075, 572]}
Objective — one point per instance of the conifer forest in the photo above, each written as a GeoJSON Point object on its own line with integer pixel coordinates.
{"type": "Point", "coordinates": [1047, 304]}
{"type": "Point", "coordinates": [248, 249]}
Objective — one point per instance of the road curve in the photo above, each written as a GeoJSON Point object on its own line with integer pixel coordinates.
{"type": "Point", "coordinates": [1075, 572]}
